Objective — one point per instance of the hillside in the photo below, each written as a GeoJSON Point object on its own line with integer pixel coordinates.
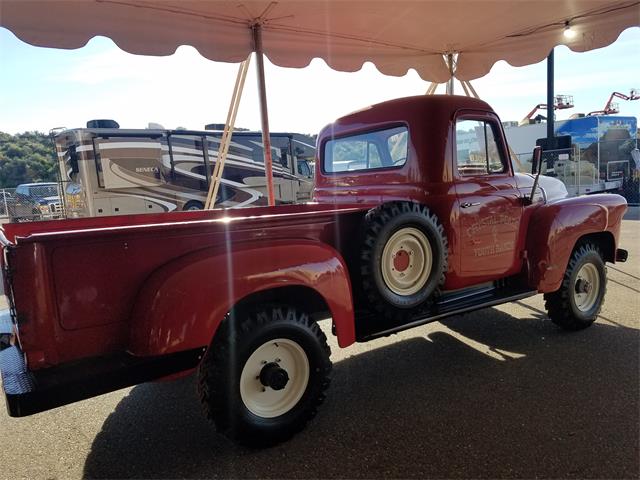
{"type": "Point", "coordinates": [26, 157]}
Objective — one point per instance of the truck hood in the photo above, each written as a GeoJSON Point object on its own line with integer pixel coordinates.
{"type": "Point", "coordinates": [553, 188]}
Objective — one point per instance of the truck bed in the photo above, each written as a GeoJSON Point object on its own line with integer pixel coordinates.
{"type": "Point", "coordinates": [87, 273]}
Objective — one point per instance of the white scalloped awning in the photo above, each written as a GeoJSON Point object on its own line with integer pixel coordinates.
{"type": "Point", "coordinates": [394, 35]}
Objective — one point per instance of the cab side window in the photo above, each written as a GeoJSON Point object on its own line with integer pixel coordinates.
{"type": "Point", "coordinates": [477, 150]}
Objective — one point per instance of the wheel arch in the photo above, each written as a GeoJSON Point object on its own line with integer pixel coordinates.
{"type": "Point", "coordinates": [182, 304]}
{"type": "Point", "coordinates": [605, 241]}
{"type": "Point", "coordinates": [300, 296]}
{"type": "Point", "coordinates": [562, 225]}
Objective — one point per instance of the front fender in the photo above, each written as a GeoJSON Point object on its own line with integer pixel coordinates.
{"type": "Point", "coordinates": [182, 303]}
{"type": "Point", "coordinates": [555, 228]}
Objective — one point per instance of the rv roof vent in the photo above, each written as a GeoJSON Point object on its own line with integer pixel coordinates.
{"type": "Point", "coordinates": [154, 126]}
{"type": "Point", "coordinates": [577, 115]}
{"type": "Point", "coordinates": [102, 123]}
{"type": "Point", "coordinates": [214, 126]}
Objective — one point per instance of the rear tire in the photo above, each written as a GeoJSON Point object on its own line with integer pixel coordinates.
{"type": "Point", "coordinates": [193, 205]}
{"type": "Point", "coordinates": [578, 301]}
{"type": "Point", "coordinates": [265, 374]}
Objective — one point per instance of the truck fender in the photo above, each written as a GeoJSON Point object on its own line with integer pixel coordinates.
{"type": "Point", "coordinates": [182, 303]}
{"type": "Point", "coordinates": [555, 228]}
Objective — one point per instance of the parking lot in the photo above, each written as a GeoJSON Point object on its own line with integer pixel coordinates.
{"type": "Point", "coordinates": [496, 393]}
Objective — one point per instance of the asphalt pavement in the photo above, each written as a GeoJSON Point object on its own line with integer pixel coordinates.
{"type": "Point", "coordinates": [498, 393]}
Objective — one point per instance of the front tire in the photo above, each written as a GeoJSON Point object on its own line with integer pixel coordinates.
{"type": "Point", "coordinates": [265, 374]}
{"type": "Point", "coordinates": [578, 302]}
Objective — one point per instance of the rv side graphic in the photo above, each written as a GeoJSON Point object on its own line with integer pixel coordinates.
{"type": "Point", "coordinates": [113, 171]}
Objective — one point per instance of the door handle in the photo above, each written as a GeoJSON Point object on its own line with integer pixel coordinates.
{"type": "Point", "coordinates": [468, 204]}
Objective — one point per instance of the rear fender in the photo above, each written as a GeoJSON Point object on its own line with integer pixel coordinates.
{"type": "Point", "coordinates": [555, 228]}
{"type": "Point", "coordinates": [182, 303]}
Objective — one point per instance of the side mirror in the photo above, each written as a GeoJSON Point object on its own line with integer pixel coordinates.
{"type": "Point", "coordinates": [536, 169]}
{"type": "Point", "coordinates": [536, 160]}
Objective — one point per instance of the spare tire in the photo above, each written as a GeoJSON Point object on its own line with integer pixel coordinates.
{"type": "Point", "coordinates": [403, 258]}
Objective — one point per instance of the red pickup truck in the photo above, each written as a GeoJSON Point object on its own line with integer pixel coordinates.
{"type": "Point", "coordinates": [417, 215]}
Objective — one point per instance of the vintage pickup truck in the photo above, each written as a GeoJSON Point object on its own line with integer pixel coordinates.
{"type": "Point", "coordinates": [417, 216]}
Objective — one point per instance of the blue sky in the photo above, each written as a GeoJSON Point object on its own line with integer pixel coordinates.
{"type": "Point", "coordinates": [42, 88]}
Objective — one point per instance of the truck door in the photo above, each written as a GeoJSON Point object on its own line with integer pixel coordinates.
{"type": "Point", "coordinates": [488, 200]}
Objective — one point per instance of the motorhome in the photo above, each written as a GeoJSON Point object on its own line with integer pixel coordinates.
{"type": "Point", "coordinates": [107, 170]}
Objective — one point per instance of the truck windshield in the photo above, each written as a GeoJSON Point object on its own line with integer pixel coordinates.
{"type": "Point", "coordinates": [42, 191]}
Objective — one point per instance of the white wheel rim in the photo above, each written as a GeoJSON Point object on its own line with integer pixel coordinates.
{"type": "Point", "coordinates": [406, 261]}
{"type": "Point", "coordinates": [586, 287]}
{"type": "Point", "coordinates": [264, 401]}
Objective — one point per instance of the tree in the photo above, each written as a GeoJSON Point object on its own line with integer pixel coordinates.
{"type": "Point", "coordinates": [26, 157]}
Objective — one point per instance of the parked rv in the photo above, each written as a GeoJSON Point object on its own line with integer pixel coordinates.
{"type": "Point", "coordinates": [107, 170]}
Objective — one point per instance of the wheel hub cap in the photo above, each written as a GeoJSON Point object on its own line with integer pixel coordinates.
{"type": "Point", "coordinates": [401, 260]}
{"type": "Point", "coordinates": [586, 288]}
{"type": "Point", "coordinates": [273, 376]}
{"type": "Point", "coordinates": [406, 261]}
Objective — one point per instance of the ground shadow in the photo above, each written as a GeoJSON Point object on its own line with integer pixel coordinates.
{"type": "Point", "coordinates": [632, 213]}
{"type": "Point", "coordinates": [485, 395]}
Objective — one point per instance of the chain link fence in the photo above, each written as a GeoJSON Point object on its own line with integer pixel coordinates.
{"type": "Point", "coordinates": [30, 202]}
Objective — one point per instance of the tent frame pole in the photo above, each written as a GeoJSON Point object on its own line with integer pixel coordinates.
{"type": "Point", "coordinates": [450, 64]}
{"type": "Point", "coordinates": [550, 102]}
{"type": "Point", "coordinates": [264, 111]}
{"type": "Point", "coordinates": [225, 141]}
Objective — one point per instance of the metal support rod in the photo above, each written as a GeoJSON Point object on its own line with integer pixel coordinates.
{"type": "Point", "coordinates": [432, 88]}
{"type": "Point", "coordinates": [451, 72]}
{"type": "Point", "coordinates": [225, 141]}
{"type": "Point", "coordinates": [473, 90]}
{"type": "Point", "coordinates": [464, 87]}
{"type": "Point", "coordinates": [264, 112]}
{"type": "Point", "coordinates": [550, 102]}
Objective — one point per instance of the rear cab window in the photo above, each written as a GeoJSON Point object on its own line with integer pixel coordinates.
{"type": "Point", "coordinates": [374, 150]}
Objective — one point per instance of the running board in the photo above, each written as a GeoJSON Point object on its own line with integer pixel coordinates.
{"type": "Point", "coordinates": [448, 306]}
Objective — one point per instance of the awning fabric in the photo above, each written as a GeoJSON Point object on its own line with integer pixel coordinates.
{"type": "Point", "coordinates": [395, 35]}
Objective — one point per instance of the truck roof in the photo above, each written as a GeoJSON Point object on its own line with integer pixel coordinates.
{"type": "Point", "coordinates": [37, 184]}
{"type": "Point", "coordinates": [438, 108]}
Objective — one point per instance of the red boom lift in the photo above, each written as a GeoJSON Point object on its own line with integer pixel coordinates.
{"type": "Point", "coordinates": [612, 107]}
{"type": "Point", "coordinates": [560, 102]}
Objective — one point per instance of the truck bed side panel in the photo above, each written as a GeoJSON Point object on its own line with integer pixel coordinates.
{"type": "Point", "coordinates": [182, 303]}
{"type": "Point", "coordinates": [78, 282]}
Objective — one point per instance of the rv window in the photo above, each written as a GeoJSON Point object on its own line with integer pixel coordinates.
{"type": "Point", "coordinates": [303, 168]}
{"type": "Point", "coordinates": [73, 159]}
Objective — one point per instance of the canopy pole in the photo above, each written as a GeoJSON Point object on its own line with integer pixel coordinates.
{"type": "Point", "coordinates": [264, 112]}
{"type": "Point", "coordinates": [432, 88]}
{"type": "Point", "coordinates": [452, 72]}
{"type": "Point", "coordinates": [225, 141]}
{"type": "Point", "coordinates": [473, 90]}
{"type": "Point", "coordinates": [464, 87]}
{"type": "Point", "coordinates": [550, 102]}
